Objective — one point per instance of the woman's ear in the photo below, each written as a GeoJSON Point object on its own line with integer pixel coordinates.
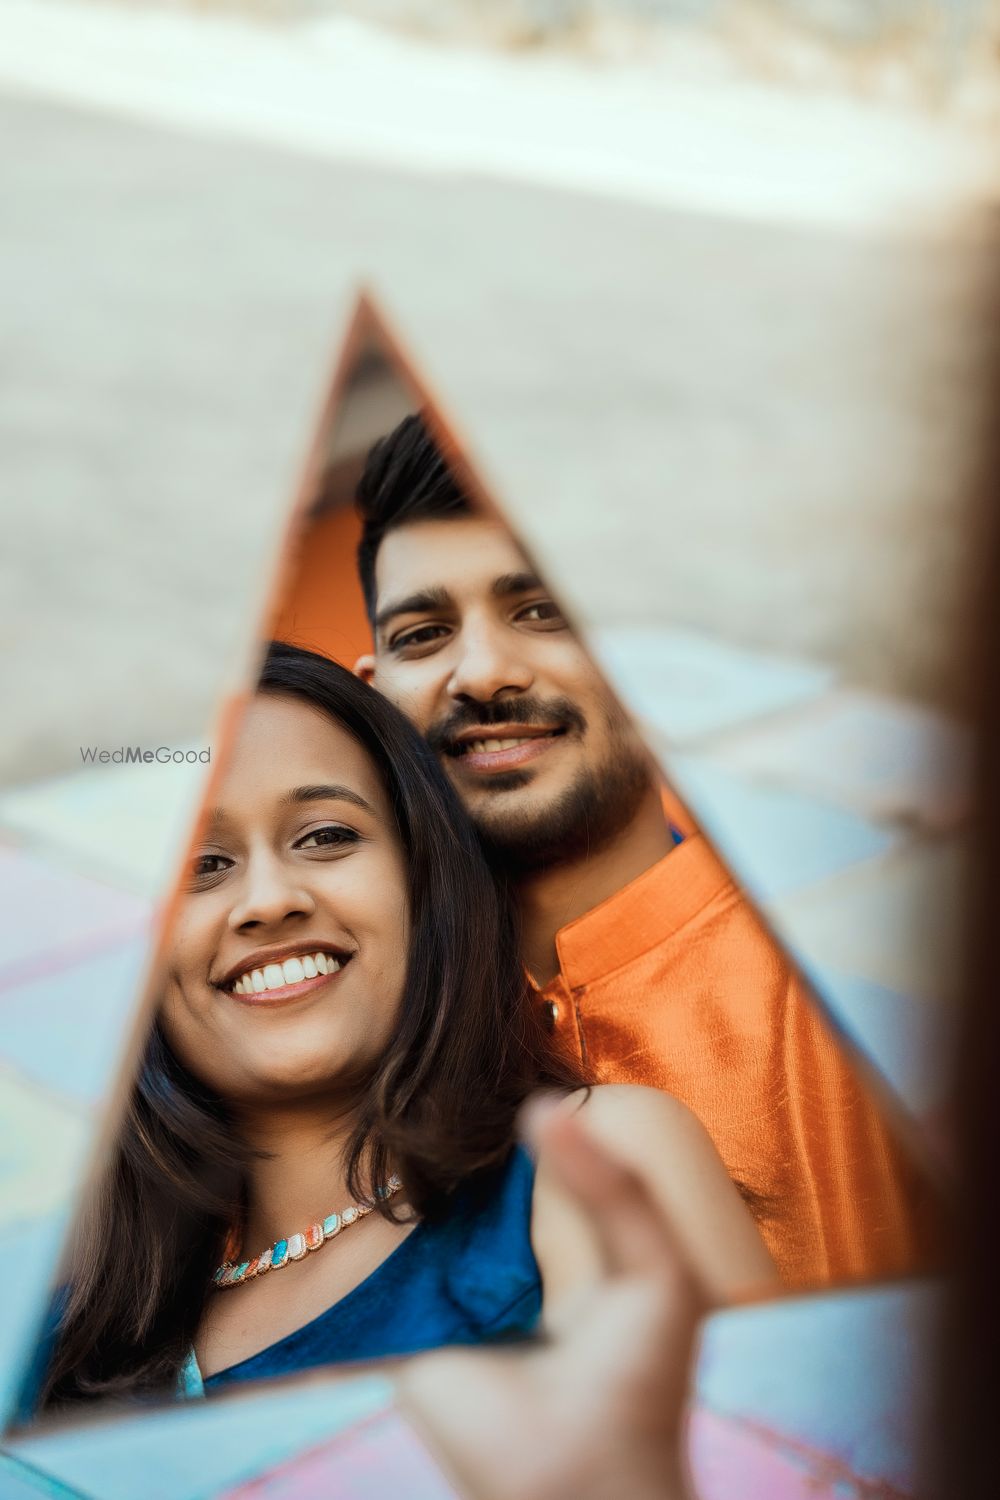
{"type": "Point", "coordinates": [364, 668]}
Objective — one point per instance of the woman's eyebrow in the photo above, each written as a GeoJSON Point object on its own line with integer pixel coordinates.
{"type": "Point", "coordinates": [326, 793]}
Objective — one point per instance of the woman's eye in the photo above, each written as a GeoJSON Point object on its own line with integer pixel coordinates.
{"type": "Point", "coordinates": [204, 866]}
{"type": "Point", "coordinates": [330, 837]}
{"type": "Point", "coordinates": [542, 612]}
{"type": "Point", "coordinates": [423, 635]}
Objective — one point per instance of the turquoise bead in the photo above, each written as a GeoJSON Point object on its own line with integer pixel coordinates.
{"type": "Point", "coordinates": [331, 1225]}
{"type": "Point", "coordinates": [279, 1255]}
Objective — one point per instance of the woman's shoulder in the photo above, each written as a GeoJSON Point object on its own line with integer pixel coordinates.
{"type": "Point", "coordinates": [484, 1249]}
{"type": "Point", "coordinates": [493, 1199]}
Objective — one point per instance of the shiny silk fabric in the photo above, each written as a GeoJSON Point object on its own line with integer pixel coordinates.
{"type": "Point", "coordinates": [674, 982]}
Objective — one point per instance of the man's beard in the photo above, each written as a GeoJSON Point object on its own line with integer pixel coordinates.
{"type": "Point", "coordinates": [588, 816]}
{"type": "Point", "coordinates": [583, 819]}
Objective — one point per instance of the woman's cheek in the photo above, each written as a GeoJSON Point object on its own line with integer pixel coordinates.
{"type": "Point", "coordinates": [185, 1026]}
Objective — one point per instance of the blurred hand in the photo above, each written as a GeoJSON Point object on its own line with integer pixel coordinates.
{"type": "Point", "coordinates": [596, 1409]}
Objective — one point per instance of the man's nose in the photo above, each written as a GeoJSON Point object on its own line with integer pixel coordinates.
{"type": "Point", "coordinates": [489, 664]}
{"type": "Point", "coordinates": [272, 892]}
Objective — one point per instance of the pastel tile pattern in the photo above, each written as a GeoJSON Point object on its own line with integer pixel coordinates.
{"type": "Point", "coordinates": [757, 1416]}
{"type": "Point", "coordinates": [869, 1352]}
{"type": "Point", "coordinates": [197, 1450]}
{"type": "Point", "coordinates": [776, 841]}
{"type": "Point", "coordinates": [730, 1459]}
{"type": "Point", "coordinates": [124, 824]}
{"type": "Point", "coordinates": [30, 1250]}
{"type": "Point", "coordinates": [50, 916]}
{"type": "Point", "coordinates": [886, 758]}
{"type": "Point", "coordinates": [43, 1141]}
{"type": "Point", "coordinates": [910, 1037]}
{"type": "Point", "coordinates": [18, 1481]}
{"type": "Point", "coordinates": [85, 1011]}
{"type": "Point", "coordinates": [892, 920]}
{"type": "Point", "coordinates": [689, 685]}
{"type": "Point", "coordinates": [380, 1456]}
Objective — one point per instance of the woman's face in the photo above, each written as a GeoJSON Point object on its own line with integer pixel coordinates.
{"type": "Point", "coordinates": [300, 871]}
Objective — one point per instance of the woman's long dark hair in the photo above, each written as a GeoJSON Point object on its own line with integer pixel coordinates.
{"type": "Point", "coordinates": [467, 1050]}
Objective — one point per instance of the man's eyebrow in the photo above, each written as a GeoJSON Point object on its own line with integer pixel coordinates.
{"type": "Point", "coordinates": [515, 583]}
{"type": "Point", "coordinates": [413, 604]}
{"type": "Point", "coordinates": [326, 793]}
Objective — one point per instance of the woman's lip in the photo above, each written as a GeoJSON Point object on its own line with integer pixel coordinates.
{"type": "Point", "coordinates": [287, 993]}
{"type": "Point", "coordinates": [485, 761]}
{"type": "Point", "coordinates": [277, 955]}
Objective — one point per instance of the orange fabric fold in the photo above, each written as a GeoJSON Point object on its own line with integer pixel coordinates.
{"type": "Point", "coordinates": [675, 983]}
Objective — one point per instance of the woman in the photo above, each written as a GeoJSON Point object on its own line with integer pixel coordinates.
{"type": "Point", "coordinates": [320, 1157]}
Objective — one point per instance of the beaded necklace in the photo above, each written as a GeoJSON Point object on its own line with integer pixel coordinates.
{"type": "Point", "coordinates": [297, 1246]}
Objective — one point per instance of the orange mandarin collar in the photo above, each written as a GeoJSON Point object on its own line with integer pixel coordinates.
{"type": "Point", "coordinates": [644, 913]}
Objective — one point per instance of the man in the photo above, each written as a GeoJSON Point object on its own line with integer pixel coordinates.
{"type": "Point", "coordinates": [648, 962]}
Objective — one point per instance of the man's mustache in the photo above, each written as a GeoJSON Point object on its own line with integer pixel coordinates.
{"type": "Point", "coordinates": [559, 713]}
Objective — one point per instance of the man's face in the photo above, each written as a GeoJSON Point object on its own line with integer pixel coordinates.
{"type": "Point", "coordinates": [471, 647]}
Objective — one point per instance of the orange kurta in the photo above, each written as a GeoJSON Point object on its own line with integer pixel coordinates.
{"type": "Point", "coordinates": [675, 983]}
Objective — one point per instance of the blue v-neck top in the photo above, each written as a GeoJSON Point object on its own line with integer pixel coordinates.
{"type": "Point", "coordinates": [470, 1278]}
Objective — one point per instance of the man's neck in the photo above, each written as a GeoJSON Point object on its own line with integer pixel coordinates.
{"type": "Point", "coordinates": [553, 897]}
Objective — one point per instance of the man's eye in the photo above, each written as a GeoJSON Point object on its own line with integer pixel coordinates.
{"type": "Point", "coordinates": [422, 635]}
{"type": "Point", "coordinates": [542, 612]}
{"type": "Point", "coordinates": [330, 837]}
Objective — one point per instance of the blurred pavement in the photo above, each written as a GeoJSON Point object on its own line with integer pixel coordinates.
{"type": "Point", "coordinates": [726, 340]}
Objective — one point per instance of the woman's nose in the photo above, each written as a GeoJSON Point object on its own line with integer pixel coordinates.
{"type": "Point", "coordinates": [272, 893]}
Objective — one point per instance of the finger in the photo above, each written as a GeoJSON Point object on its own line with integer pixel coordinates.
{"type": "Point", "coordinates": [635, 1234]}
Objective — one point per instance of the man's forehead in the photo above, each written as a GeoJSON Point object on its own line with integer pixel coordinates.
{"type": "Point", "coordinates": [461, 556]}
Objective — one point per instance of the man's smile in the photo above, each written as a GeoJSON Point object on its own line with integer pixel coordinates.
{"type": "Point", "coordinates": [485, 748]}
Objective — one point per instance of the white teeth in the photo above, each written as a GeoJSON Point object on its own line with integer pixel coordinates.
{"type": "Point", "coordinates": [484, 747]}
{"type": "Point", "coordinates": [291, 971]}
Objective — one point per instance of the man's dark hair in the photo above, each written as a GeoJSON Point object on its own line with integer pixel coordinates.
{"type": "Point", "coordinates": [405, 478]}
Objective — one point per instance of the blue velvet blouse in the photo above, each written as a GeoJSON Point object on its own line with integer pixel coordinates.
{"type": "Point", "coordinates": [470, 1278]}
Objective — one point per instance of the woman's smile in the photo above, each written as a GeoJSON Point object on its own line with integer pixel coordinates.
{"type": "Point", "coordinates": [278, 983]}
{"type": "Point", "coordinates": [274, 976]}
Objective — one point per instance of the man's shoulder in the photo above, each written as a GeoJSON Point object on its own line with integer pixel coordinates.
{"type": "Point", "coordinates": [722, 935]}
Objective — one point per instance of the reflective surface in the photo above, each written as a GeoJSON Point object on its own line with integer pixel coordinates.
{"type": "Point", "coordinates": [820, 844]}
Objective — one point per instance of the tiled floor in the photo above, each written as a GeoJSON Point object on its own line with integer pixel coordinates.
{"type": "Point", "coordinates": [66, 1007]}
